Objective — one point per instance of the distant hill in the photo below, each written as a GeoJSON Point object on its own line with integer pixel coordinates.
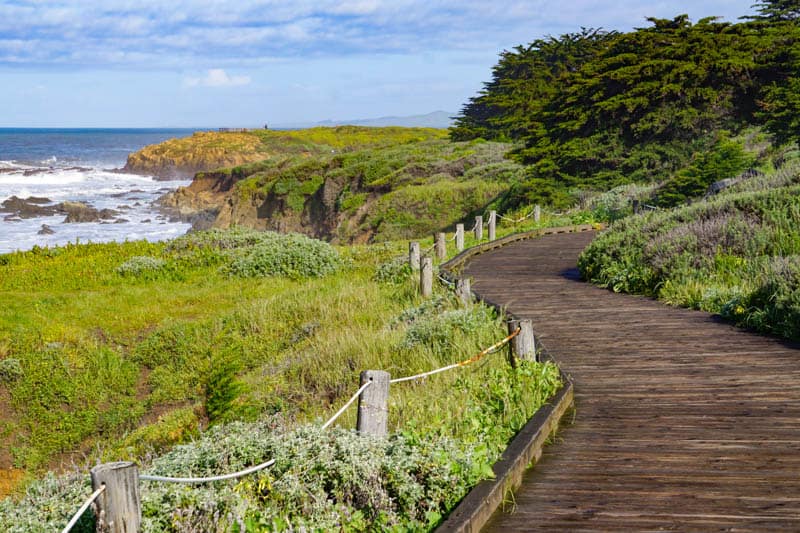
{"type": "Point", "coordinates": [436, 119]}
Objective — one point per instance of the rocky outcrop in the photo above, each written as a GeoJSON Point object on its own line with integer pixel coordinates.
{"type": "Point", "coordinates": [33, 207]}
{"type": "Point", "coordinates": [203, 151]}
{"type": "Point", "coordinates": [80, 212]}
{"type": "Point", "coordinates": [30, 207]}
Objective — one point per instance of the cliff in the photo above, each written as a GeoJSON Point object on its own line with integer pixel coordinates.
{"type": "Point", "coordinates": [360, 193]}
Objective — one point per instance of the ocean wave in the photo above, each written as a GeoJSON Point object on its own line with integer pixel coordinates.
{"type": "Point", "coordinates": [42, 176]}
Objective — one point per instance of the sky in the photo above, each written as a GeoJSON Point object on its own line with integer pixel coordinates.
{"type": "Point", "coordinates": [215, 63]}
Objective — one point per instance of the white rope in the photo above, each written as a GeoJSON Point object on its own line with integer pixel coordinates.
{"type": "Point", "coordinates": [83, 508]}
{"type": "Point", "coordinates": [208, 479]}
{"type": "Point", "coordinates": [452, 238]}
{"type": "Point", "coordinates": [490, 350]}
{"type": "Point", "coordinates": [446, 281]}
{"type": "Point", "coordinates": [252, 468]}
{"type": "Point", "coordinates": [425, 374]}
{"type": "Point", "coordinates": [517, 220]}
{"type": "Point", "coordinates": [345, 406]}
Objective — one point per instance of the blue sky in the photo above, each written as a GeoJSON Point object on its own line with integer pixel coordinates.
{"type": "Point", "coordinates": [199, 63]}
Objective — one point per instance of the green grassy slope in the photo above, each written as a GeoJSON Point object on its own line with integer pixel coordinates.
{"type": "Point", "coordinates": [117, 351]}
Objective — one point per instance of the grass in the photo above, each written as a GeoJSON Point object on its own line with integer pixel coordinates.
{"type": "Point", "coordinates": [110, 356]}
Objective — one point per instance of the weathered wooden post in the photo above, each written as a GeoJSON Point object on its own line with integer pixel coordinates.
{"type": "Point", "coordinates": [492, 224]}
{"type": "Point", "coordinates": [478, 228]}
{"type": "Point", "coordinates": [459, 237]}
{"type": "Point", "coordinates": [537, 213]}
{"type": "Point", "coordinates": [440, 244]}
{"type": "Point", "coordinates": [523, 346]}
{"type": "Point", "coordinates": [373, 404]}
{"type": "Point", "coordinates": [636, 207]}
{"type": "Point", "coordinates": [426, 277]}
{"type": "Point", "coordinates": [413, 255]}
{"type": "Point", "coordinates": [463, 290]}
{"type": "Point", "coordinates": [118, 508]}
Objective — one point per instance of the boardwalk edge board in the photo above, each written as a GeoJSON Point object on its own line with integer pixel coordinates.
{"type": "Point", "coordinates": [485, 498]}
{"type": "Point", "coordinates": [525, 449]}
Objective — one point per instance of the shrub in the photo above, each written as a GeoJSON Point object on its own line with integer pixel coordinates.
{"type": "Point", "coordinates": [435, 330]}
{"type": "Point", "coordinates": [774, 307]}
{"type": "Point", "coordinates": [219, 239]}
{"type": "Point", "coordinates": [395, 270]}
{"type": "Point", "coordinates": [322, 481]}
{"type": "Point", "coordinates": [292, 255]}
{"type": "Point", "coordinates": [141, 266]}
{"type": "Point", "coordinates": [10, 370]}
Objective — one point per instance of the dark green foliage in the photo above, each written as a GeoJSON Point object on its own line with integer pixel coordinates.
{"type": "Point", "coordinates": [596, 110]}
{"type": "Point", "coordinates": [777, 10]}
{"type": "Point", "coordinates": [726, 160]}
{"type": "Point", "coordinates": [523, 82]}
{"type": "Point", "coordinates": [222, 387]}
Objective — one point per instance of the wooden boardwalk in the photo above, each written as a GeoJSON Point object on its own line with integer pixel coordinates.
{"type": "Point", "coordinates": [682, 422]}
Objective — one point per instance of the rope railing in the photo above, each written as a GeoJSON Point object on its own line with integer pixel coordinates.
{"type": "Point", "coordinates": [252, 469]}
{"type": "Point", "coordinates": [79, 513]}
{"type": "Point", "coordinates": [517, 220]}
{"type": "Point", "coordinates": [446, 281]}
{"type": "Point", "coordinates": [194, 480]}
{"type": "Point", "coordinates": [474, 359]}
{"type": "Point", "coordinates": [372, 395]}
{"type": "Point", "coordinates": [345, 406]}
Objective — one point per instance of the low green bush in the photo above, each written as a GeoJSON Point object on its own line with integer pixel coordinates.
{"type": "Point", "coordinates": [291, 255]}
{"type": "Point", "coordinates": [10, 370]}
{"type": "Point", "coordinates": [140, 266]}
{"type": "Point", "coordinates": [396, 270]}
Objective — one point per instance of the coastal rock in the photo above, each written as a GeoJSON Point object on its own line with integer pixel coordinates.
{"type": "Point", "coordinates": [45, 230]}
{"type": "Point", "coordinates": [80, 212]}
{"type": "Point", "coordinates": [30, 207]}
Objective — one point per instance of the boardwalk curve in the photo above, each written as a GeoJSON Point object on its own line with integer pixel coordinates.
{"type": "Point", "coordinates": [682, 422]}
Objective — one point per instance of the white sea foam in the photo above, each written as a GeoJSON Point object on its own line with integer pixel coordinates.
{"type": "Point", "coordinates": [131, 195]}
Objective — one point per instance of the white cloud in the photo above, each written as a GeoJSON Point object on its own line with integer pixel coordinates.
{"type": "Point", "coordinates": [217, 77]}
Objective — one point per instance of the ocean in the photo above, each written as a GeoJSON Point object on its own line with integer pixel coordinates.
{"type": "Point", "coordinates": [78, 165]}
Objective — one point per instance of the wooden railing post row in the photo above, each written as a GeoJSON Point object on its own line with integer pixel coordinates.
{"type": "Point", "coordinates": [440, 245]}
{"type": "Point", "coordinates": [413, 255]}
{"type": "Point", "coordinates": [460, 237]}
{"type": "Point", "coordinates": [118, 508]}
{"type": "Point", "coordinates": [523, 346]}
{"type": "Point", "coordinates": [492, 225]}
{"type": "Point", "coordinates": [426, 277]}
{"type": "Point", "coordinates": [373, 403]}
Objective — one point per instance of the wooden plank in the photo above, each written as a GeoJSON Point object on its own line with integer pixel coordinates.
{"type": "Point", "coordinates": [682, 421]}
